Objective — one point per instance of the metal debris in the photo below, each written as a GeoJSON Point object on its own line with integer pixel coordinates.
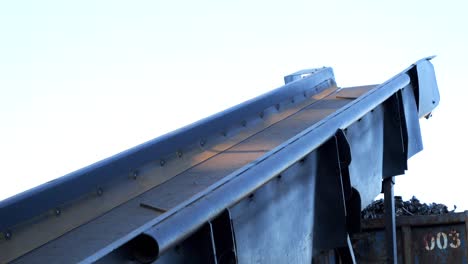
{"type": "Point", "coordinates": [405, 208]}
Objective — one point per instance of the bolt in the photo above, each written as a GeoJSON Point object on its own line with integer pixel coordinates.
{"type": "Point", "coordinates": [135, 175]}
{"type": "Point", "coordinates": [179, 153]}
{"type": "Point", "coordinates": [305, 94]}
{"type": "Point", "coordinates": [244, 123]}
{"type": "Point", "coordinates": [162, 162]}
{"type": "Point", "coordinates": [277, 107]}
{"type": "Point", "coordinates": [57, 211]}
{"type": "Point", "coordinates": [292, 100]}
{"type": "Point", "coordinates": [202, 142]}
{"type": "Point", "coordinates": [261, 114]}
{"type": "Point", "coordinates": [7, 235]}
{"type": "Point", "coordinates": [433, 102]}
{"type": "Point", "coordinates": [99, 191]}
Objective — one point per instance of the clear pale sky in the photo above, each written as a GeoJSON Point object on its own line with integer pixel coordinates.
{"type": "Point", "coordinates": [83, 80]}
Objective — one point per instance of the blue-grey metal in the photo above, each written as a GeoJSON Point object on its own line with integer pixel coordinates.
{"type": "Point", "coordinates": [390, 222]}
{"type": "Point", "coordinates": [282, 156]}
{"type": "Point", "coordinates": [102, 174]}
{"type": "Point", "coordinates": [189, 218]}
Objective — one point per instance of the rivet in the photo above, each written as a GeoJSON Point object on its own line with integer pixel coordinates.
{"type": "Point", "coordinates": [135, 174]}
{"type": "Point", "coordinates": [433, 102]}
{"type": "Point", "coordinates": [8, 235]}
{"type": "Point", "coordinates": [179, 153]}
{"type": "Point", "coordinates": [305, 94]}
{"type": "Point", "coordinates": [100, 191]}
{"type": "Point", "coordinates": [277, 106]}
{"type": "Point", "coordinates": [261, 114]}
{"type": "Point", "coordinates": [224, 133]}
{"type": "Point", "coordinates": [57, 211]}
{"type": "Point", "coordinates": [162, 162]}
{"type": "Point", "coordinates": [244, 123]}
{"type": "Point", "coordinates": [202, 142]}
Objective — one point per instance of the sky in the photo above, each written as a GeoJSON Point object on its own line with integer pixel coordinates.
{"type": "Point", "coordinates": [83, 80]}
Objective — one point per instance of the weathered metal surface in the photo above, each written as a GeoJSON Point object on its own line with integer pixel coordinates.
{"type": "Point", "coordinates": [248, 184]}
{"type": "Point", "coordinates": [289, 200]}
{"type": "Point", "coordinates": [390, 223]}
{"type": "Point", "coordinates": [421, 239]}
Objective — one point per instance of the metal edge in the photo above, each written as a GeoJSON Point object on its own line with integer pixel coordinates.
{"type": "Point", "coordinates": [419, 220]}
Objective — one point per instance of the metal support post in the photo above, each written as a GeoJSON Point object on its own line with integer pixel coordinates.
{"type": "Point", "coordinates": [390, 222]}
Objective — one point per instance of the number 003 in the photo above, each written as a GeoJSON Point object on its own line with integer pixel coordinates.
{"type": "Point", "coordinates": [442, 240]}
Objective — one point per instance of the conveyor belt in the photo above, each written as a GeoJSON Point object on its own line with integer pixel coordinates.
{"type": "Point", "coordinates": [308, 152]}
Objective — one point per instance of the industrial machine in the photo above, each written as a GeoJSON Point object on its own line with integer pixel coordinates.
{"type": "Point", "coordinates": [277, 179]}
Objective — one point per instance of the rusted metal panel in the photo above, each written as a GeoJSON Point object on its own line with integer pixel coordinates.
{"type": "Point", "coordinates": [439, 244]}
{"type": "Point", "coordinates": [421, 239]}
{"type": "Point", "coordinates": [370, 247]}
{"type": "Point", "coordinates": [407, 241]}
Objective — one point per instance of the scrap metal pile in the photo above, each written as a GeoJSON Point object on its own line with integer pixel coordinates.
{"type": "Point", "coordinates": [405, 208]}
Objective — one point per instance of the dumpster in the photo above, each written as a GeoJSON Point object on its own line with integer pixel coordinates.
{"type": "Point", "coordinates": [420, 239]}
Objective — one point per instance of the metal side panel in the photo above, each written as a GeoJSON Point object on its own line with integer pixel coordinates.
{"type": "Point", "coordinates": [275, 223]}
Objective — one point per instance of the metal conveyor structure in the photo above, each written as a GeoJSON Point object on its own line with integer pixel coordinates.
{"type": "Point", "coordinates": [276, 179]}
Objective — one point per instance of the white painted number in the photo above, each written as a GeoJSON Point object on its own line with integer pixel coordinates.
{"type": "Point", "coordinates": [427, 243]}
{"type": "Point", "coordinates": [442, 240]}
{"type": "Point", "coordinates": [455, 237]}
